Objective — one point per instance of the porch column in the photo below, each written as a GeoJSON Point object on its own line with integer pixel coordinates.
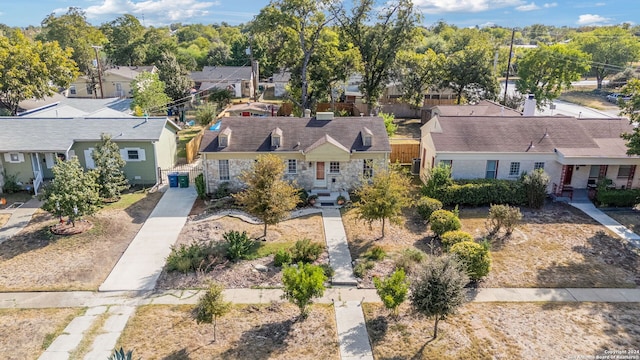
{"type": "Point", "coordinates": [632, 173]}
{"type": "Point", "coordinates": [563, 175]}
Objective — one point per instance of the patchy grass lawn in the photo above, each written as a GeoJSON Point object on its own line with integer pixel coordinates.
{"type": "Point", "coordinates": [26, 333]}
{"type": "Point", "coordinates": [36, 260]}
{"type": "Point", "coordinates": [587, 98]}
{"type": "Point", "coordinates": [243, 273]}
{"type": "Point", "coordinates": [184, 136]}
{"type": "Point", "coordinates": [629, 218]}
{"type": "Point", "coordinates": [407, 128]}
{"type": "Point", "coordinates": [507, 331]}
{"type": "Point", "coordinates": [557, 247]}
{"type": "Point", "coordinates": [4, 218]}
{"type": "Point", "coordinates": [246, 332]}
{"type": "Point", "coordinates": [20, 197]}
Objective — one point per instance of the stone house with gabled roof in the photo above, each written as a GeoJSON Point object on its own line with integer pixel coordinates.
{"type": "Point", "coordinates": [322, 152]}
{"type": "Point", "coordinates": [574, 152]}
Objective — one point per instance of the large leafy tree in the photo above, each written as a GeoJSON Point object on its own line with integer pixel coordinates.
{"type": "Point", "coordinates": [72, 30]}
{"type": "Point", "coordinates": [548, 70]}
{"type": "Point", "coordinates": [378, 43]}
{"type": "Point", "coordinates": [439, 289]}
{"type": "Point", "coordinates": [175, 77]}
{"type": "Point", "coordinates": [298, 24]}
{"type": "Point", "coordinates": [416, 73]}
{"type": "Point", "coordinates": [32, 69]}
{"type": "Point", "coordinates": [611, 49]}
{"type": "Point", "coordinates": [72, 192]}
{"type": "Point", "coordinates": [302, 284]}
{"type": "Point", "coordinates": [384, 197]}
{"type": "Point", "coordinates": [108, 166]}
{"type": "Point", "coordinates": [148, 93]}
{"type": "Point", "coordinates": [267, 195]}
{"type": "Point", "coordinates": [631, 108]}
{"type": "Point", "coordinates": [126, 41]}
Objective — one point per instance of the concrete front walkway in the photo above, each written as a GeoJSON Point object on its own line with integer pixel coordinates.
{"type": "Point", "coordinates": [338, 248]}
{"type": "Point", "coordinates": [20, 217]}
{"type": "Point", "coordinates": [590, 209]}
{"type": "Point", "coordinates": [141, 264]}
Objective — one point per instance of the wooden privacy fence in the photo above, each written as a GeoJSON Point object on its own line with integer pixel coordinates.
{"type": "Point", "coordinates": [192, 148]}
{"type": "Point", "coordinates": [404, 151]}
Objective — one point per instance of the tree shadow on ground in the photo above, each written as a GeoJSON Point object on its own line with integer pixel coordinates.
{"type": "Point", "coordinates": [181, 354]}
{"type": "Point", "coordinates": [607, 263]}
{"type": "Point", "coordinates": [377, 328]}
{"type": "Point", "coordinates": [261, 341]}
{"type": "Point", "coordinates": [30, 239]}
{"type": "Point", "coordinates": [141, 209]}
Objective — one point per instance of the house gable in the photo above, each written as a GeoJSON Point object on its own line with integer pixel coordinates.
{"type": "Point", "coordinates": [327, 149]}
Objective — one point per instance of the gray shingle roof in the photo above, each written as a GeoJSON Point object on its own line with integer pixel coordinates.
{"type": "Point", "coordinates": [58, 134]}
{"type": "Point", "coordinates": [516, 134]}
{"type": "Point", "coordinates": [222, 73]}
{"type": "Point", "coordinates": [253, 134]}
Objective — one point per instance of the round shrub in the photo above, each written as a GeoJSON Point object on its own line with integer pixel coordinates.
{"type": "Point", "coordinates": [475, 257]}
{"type": "Point", "coordinates": [451, 238]}
{"type": "Point", "coordinates": [282, 257]}
{"type": "Point", "coordinates": [426, 206]}
{"type": "Point", "coordinates": [442, 221]}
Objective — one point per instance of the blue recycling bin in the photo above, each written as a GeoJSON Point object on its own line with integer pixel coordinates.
{"type": "Point", "coordinates": [173, 179]}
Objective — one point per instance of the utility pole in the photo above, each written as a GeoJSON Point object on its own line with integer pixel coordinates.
{"type": "Point", "coordinates": [506, 80]}
{"type": "Point", "coordinates": [96, 48]}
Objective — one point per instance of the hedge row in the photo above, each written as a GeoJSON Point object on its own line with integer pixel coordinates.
{"type": "Point", "coordinates": [483, 192]}
{"type": "Point", "coordinates": [618, 198]}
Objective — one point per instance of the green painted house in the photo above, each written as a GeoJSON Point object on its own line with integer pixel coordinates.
{"type": "Point", "coordinates": [29, 147]}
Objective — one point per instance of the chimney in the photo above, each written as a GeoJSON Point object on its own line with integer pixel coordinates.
{"type": "Point", "coordinates": [529, 105]}
{"type": "Point", "coordinates": [324, 115]}
{"type": "Point", "coordinates": [307, 113]}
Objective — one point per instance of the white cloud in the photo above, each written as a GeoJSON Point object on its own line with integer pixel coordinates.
{"type": "Point", "coordinates": [528, 7]}
{"type": "Point", "coordinates": [600, 4]}
{"type": "Point", "coordinates": [467, 6]}
{"type": "Point", "coordinates": [591, 19]}
{"type": "Point", "coordinates": [154, 11]}
{"type": "Point", "coordinates": [487, 24]}
{"type": "Point", "coordinates": [550, 5]}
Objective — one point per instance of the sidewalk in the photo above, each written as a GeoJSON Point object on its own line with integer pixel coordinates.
{"type": "Point", "coordinates": [338, 248]}
{"type": "Point", "coordinates": [19, 219]}
{"type": "Point", "coordinates": [590, 209]}
{"type": "Point", "coordinates": [141, 264]}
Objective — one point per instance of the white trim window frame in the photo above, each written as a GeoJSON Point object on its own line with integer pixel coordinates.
{"type": "Point", "coordinates": [334, 167]}
{"type": "Point", "coordinates": [14, 157]}
{"type": "Point", "coordinates": [133, 154]}
{"type": "Point", "coordinates": [223, 170]}
{"type": "Point", "coordinates": [514, 168]}
{"type": "Point", "coordinates": [538, 165]}
{"type": "Point", "coordinates": [292, 166]}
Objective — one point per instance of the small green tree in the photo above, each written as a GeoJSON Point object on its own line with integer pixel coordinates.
{"type": "Point", "coordinates": [302, 283]}
{"type": "Point", "coordinates": [206, 113]}
{"type": "Point", "coordinates": [211, 306]}
{"type": "Point", "coordinates": [148, 93]}
{"type": "Point", "coordinates": [108, 166]}
{"type": "Point", "coordinates": [72, 192]}
{"type": "Point", "coordinates": [392, 290]}
{"type": "Point", "coordinates": [535, 187]}
{"type": "Point", "coordinates": [384, 197]}
{"type": "Point", "coordinates": [439, 290]}
{"type": "Point", "coordinates": [476, 258]}
{"type": "Point", "coordinates": [267, 195]}
{"type": "Point", "coordinates": [388, 123]}
{"type": "Point", "coordinates": [503, 216]}
{"type": "Point", "coordinates": [631, 109]}
{"type": "Point", "coordinates": [439, 178]}
{"type": "Point", "coordinates": [442, 221]}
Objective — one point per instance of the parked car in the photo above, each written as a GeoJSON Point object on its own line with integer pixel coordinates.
{"type": "Point", "coordinates": [614, 97]}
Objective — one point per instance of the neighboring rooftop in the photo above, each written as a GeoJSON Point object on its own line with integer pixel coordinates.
{"type": "Point", "coordinates": [482, 108]}
{"type": "Point", "coordinates": [58, 134]}
{"type": "Point", "coordinates": [212, 74]}
{"type": "Point", "coordinates": [60, 106]}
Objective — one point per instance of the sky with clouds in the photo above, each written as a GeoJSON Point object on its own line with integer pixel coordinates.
{"type": "Point", "coordinates": [463, 13]}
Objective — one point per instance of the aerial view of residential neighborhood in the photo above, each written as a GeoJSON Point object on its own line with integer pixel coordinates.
{"type": "Point", "coordinates": [330, 179]}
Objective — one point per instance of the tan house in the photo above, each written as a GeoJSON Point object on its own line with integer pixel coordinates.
{"type": "Point", "coordinates": [333, 154]}
{"type": "Point", "coordinates": [574, 152]}
{"type": "Point", "coordinates": [241, 81]}
{"type": "Point", "coordinates": [116, 82]}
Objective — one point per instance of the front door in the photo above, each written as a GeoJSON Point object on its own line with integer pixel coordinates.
{"type": "Point", "coordinates": [568, 175]}
{"type": "Point", "coordinates": [321, 179]}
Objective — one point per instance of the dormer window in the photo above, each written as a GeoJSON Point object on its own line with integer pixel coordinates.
{"type": "Point", "coordinates": [224, 137]}
{"type": "Point", "coordinates": [276, 138]}
{"type": "Point", "coordinates": [367, 137]}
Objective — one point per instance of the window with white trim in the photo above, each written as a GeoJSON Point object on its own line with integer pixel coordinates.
{"type": "Point", "coordinates": [88, 159]}
{"type": "Point", "coordinates": [72, 89]}
{"type": "Point", "coordinates": [624, 171]}
{"type": "Point", "coordinates": [223, 169]}
{"type": "Point", "coordinates": [89, 89]}
{"type": "Point", "coordinates": [538, 165]}
{"type": "Point", "coordinates": [367, 168]}
{"type": "Point", "coordinates": [334, 167]}
{"type": "Point", "coordinates": [133, 154]}
{"type": "Point", "coordinates": [514, 169]}
{"type": "Point", "coordinates": [14, 157]}
{"type": "Point", "coordinates": [292, 166]}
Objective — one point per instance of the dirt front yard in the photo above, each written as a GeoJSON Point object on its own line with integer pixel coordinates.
{"type": "Point", "coordinates": [524, 331]}
{"type": "Point", "coordinates": [557, 247]}
{"type": "Point", "coordinates": [26, 333]}
{"type": "Point", "coordinates": [243, 274]}
{"type": "Point", "coordinates": [36, 260]}
{"type": "Point", "coordinates": [246, 332]}
{"type": "Point", "coordinates": [627, 217]}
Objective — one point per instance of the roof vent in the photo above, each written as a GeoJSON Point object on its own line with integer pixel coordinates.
{"type": "Point", "coordinates": [324, 115]}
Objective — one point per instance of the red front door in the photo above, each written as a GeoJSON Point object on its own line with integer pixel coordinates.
{"type": "Point", "coordinates": [568, 175]}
